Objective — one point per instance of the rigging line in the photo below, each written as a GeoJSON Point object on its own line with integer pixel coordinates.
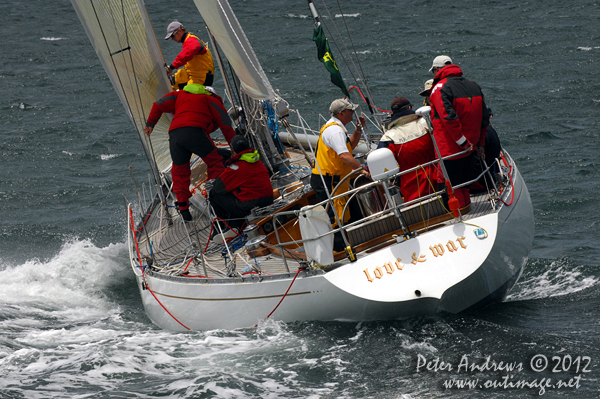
{"type": "Point", "coordinates": [365, 100]}
{"type": "Point", "coordinates": [139, 101]}
{"type": "Point", "coordinates": [257, 69]}
{"type": "Point", "coordinates": [142, 268]}
{"type": "Point", "coordinates": [115, 25]}
{"type": "Point", "coordinates": [248, 105]}
{"type": "Point", "coordinates": [221, 65]}
{"type": "Point", "coordinates": [282, 298]}
{"type": "Point", "coordinates": [163, 306]}
{"type": "Point", "coordinates": [364, 79]}
{"type": "Point", "coordinates": [139, 106]}
{"type": "Point", "coordinates": [335, 42]}
{"type": "Point", "coordinates": [117, 74]}
{"type": "Point", "coordinates": [242, 116]}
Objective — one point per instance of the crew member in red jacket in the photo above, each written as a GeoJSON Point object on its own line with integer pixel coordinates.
{"type": "Point", "coordinates": [194, 56]}
{"type": "Point", "coordinates": [245, 184]}
{"type": "Point", "coordinates": [197, 113]}
{"type": "Point", "coordinates": [460, 119]}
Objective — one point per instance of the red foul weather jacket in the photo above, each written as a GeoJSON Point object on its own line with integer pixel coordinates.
{"type": "Point", "coordinates": [191, 47]}
{"type": "Point", "coordinates": [246, 177]}
{"type": "Point", "coordinates": [459, 114]}
{"type": "Point", "coordinates": [193, 110]}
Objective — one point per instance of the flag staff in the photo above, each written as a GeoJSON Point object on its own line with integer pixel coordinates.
{"type": "Point", "coordinates": [324, 53]}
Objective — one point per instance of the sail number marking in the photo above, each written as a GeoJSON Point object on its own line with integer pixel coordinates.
{"type": "Point", "coordinates": [438, 250]}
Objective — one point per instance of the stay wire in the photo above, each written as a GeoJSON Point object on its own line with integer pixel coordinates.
{"type": "Point", "coordinates": [356, 80]}
{"type": "Point", "coordinates": [137, 99]}
{"type": "Point", "coordinates": [121, 84]}
{"type": "Point", "coordinates": [137, 84]}
{"type": "Point", "coordinates": [322, 20]}
{"type": "Point", "coordinates": [139, 103]}
{"type": "Point", "coordinates": [364, 79]}
{"type": "Point", "coordinates": [219, 58]}
{"type": "Point", "coordinates": [281, 300]}
{"type": "Point", "coordinates": [237, 89]}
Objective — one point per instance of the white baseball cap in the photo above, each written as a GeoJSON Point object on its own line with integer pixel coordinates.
{"type": "Point", "coordinates": [440, 61]}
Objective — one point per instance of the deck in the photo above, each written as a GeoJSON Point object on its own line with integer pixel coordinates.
{"type": "Point", "coordinates": [173, 247]}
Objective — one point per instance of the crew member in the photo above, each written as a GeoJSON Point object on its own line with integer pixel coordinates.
{"type": "Point", "coordinates": [334, 157]}
{"type": "Point", "coordinates": [197, 112]}
{"type": "Point", "coordinates": [244, 185]}
{"type": "Point", "coordinates": [195, 57]}
{"type": "Point", "coordinates": [408, 137]}
{"type": "Point", "coordinates": [460, 119]}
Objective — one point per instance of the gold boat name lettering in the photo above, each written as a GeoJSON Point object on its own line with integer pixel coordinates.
{"type": "Point", "coordinates": [437, 250]}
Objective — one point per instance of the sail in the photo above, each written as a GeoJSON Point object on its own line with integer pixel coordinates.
{"type": "Point", "coordinates": [228, 33]}
{"type": "Point", "coordinates": [126, 44]}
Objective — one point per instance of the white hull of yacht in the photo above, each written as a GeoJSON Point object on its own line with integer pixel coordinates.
{"type": "Point", "coordinates": [447, 270]}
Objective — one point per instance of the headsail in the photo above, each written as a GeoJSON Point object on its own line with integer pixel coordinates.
{"type": "Point", "coordinates": [228, 33]}
{"type": "Point", "coordinates": [255, 93]}
{"type": "Point", "coordinates": [126, 44]}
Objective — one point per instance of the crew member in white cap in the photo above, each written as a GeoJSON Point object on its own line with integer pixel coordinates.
{"type": "Point", "coordinates": [195, 57]}
{"type": "Point", "coordinates": [334, 155]}
{"type": "Point", "coordinates": [439, 62]}
{"type": "Point", "coordinates": [460, 119]}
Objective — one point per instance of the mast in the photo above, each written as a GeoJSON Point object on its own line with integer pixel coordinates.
{"type": "Point", "coordinates": [250, 84]}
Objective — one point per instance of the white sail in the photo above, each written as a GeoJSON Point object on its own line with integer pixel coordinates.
{"type": "Point", "coordinates": [228, 33]}
{"type": "Point", "coordinates": [126, 44]}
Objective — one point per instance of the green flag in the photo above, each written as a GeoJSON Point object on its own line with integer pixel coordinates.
{"type": "Point", "coordinates": [326, 58]}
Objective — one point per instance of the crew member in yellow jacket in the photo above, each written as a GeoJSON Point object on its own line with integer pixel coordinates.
{"type": "Point", "coordinates": [334, 157]}
{"type": "Point", "coordinates": [195, 57]}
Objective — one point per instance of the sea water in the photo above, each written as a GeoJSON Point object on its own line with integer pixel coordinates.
{"type": "Point", "coordinates": [71, 319]}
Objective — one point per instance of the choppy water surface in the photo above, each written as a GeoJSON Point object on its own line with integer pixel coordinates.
{"type": "Point", "coordinates": [71, 321]}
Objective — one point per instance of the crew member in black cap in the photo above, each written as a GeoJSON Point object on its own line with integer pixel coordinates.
{"type": "Point", "coordinates": [409, 139]}
{"type": "Point", "coordinates": [244, 185]}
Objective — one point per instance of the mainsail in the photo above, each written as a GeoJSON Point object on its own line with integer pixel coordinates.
{"type": "Point", "coordinates": [126, 44]}
{"type": "Point", "coordinates": [224, 26]}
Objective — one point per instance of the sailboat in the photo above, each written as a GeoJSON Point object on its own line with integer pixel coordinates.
{"type": "Point", "coordinates": [402, 259]}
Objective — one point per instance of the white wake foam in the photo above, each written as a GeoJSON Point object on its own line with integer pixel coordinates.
{"type": "Point", "coordinates": [558, 279]}
{"type": "Point", "coordinates": [70, 287]}
{"type": "Point", "coordinates": [347, 15]}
